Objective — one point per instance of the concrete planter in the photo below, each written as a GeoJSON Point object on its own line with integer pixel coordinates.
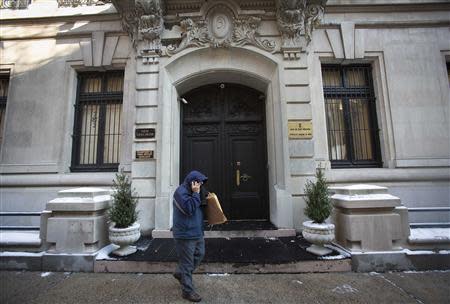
{"type": "Point", "coordinates": [318, 235]}
{"type": "Point", "coordinates": [124, 237]}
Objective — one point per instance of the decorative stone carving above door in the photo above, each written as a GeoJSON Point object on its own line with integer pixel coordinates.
{"type": "Point", "coordinates": [222, 26]}
{"type": "Point", "coordinates": [219, 23]}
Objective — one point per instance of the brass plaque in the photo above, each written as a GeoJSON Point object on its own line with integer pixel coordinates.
{"type": "Point", "coordinates": [300, 129]}
{"type": "Point", "coordinates": [144, 133]}
{"type": "Point", "coordinates": [144, 154]}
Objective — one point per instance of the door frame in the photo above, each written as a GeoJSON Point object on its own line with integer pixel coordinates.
{"type": "Point", "coordinates": [195, 67]}
{"type": "Point", "coordinates": [225, 144]}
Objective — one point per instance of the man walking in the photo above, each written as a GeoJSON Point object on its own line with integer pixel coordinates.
{"type": "Point", "coordinates": [188, 231]}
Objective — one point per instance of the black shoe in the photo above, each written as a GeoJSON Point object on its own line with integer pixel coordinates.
{"type": "Point", "coordinates": [193, 297]}
{"type": "Point", "coordinates": [177, 276]}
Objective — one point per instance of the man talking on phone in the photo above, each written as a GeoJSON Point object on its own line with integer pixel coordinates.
{"type": "Point", "coordinates": [188, 231]}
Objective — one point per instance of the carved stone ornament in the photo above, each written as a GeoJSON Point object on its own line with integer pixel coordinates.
{"type": "Point", "coordinates": [221, 28]}
{"type": "Point", "coordinates": [143, 20]}
{"type": "Point", "coordinates": [298, 18]}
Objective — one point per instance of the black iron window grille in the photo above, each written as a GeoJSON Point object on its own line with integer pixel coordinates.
{"type": "Point", "coordinates": [97, 127]}
{"type": "Point", "coordinates": [352, 129]}
{"type": "Point", "coordinates": [4, 84]}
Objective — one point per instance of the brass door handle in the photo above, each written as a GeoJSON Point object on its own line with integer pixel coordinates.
{"type": "Point", "coordinates": [238, 177]}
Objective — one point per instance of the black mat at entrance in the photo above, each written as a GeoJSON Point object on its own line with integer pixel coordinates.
{"type": "Point", "coordinates": [233, 250]}
{"type": "Point", "coordinates": [241, 226]}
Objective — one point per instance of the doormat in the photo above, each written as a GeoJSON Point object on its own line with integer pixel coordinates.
{"type": "Point", "coordinates": [232, 250]}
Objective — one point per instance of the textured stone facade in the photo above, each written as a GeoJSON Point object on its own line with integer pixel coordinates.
{"type": "Point", "coordinates": [167, 48]}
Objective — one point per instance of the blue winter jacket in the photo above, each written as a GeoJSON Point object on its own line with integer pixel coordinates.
{"type": "Point", "coordinates": [188, 222]}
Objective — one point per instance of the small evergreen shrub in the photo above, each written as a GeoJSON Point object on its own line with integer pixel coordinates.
{"type": "Point", "coordinates": [123, 210]}
{"type": "Point", "coordinates": [318, 203]}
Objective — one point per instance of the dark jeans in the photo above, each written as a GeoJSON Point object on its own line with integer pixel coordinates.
{"type": "Point", "coordinates": [190, 254]}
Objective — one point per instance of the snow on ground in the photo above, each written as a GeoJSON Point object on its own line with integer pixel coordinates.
{"type": "Point", "coordinates": [218, 274]}
{"type": "Point", "coordinates": [45, 274]}
{"type": "Point", "coordinates": [103, 254]}
{"type": "Point", "coordinates": [345, 289]}
{"type": "Point", "coordinates": [20, 254]}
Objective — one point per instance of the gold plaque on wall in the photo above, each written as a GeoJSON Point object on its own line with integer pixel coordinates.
{"type": "Point", "coordinates": [144, 154]}
{"type": "Point", "coordinates": [300, 129]}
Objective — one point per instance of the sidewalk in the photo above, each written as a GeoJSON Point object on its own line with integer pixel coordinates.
{"type": "Point", "coordinates": [399, 287]}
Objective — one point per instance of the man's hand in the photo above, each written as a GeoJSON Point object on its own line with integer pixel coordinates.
{"type": "Point", "coordinates": [195, 186]}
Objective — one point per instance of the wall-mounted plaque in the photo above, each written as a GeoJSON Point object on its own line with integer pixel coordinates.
{"type": "Point", "coordinates": [144, 154]}
{"type": "Point", "coordinates": [300, 129]}
{"type": "Point", "coordinates": [144, 133]}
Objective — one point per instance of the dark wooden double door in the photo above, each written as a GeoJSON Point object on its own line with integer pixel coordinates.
{"type": "Point", "coordinates": [224, 136]}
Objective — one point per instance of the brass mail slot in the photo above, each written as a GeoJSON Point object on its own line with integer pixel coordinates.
{"type": "Point", "coordinates": [300, 129]}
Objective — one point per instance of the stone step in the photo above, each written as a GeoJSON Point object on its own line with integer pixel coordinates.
{"type": "Point", "coordinates": [429, 238]}
{"type": "Point", "coordinates": [20, 240]}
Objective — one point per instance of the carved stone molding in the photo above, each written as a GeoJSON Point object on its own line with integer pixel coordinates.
{"type": "Point", "coordinates": [74, 3]}
{"type": "Point", "coordinates": [143, 21]}
{"type": "Point", "coordinates": [219, 23]}
{"type": "Point", "coordinates": [221, 28]}
{"type": "Point", "coordinates": [296, 20]}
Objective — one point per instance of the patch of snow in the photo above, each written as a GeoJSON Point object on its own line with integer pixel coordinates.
{"type": "Point", "coordinates": [373, 273]}
{"type": "Point", "coordinates": [21, 254]}
{"type": "Point", "coordinates": [332, 257]}
{"type": "Point", "coordinates": [218, 274]}
{"type": "Point", "coordinates": [426, 271]}
{"type": "Point", "coordinates": [271, 238]}
{"type": "Point", "coordinates": [45, 274]}
{"type": "Point", "coordinates": [297, 282]}
{"type": "Point", "coordinates": [343, 252]}
{"type": "Point", "coordinates": [345, 289]}
{"type": "Point", "coordinates": [422, 252]}
{"type": "Point", "coordinates": [140, 273]}
{"type": "Point", "coordinates": [103, 254]}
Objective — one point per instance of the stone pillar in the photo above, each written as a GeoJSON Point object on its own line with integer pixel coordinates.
{"type": "Point", "coordinates": [367, 218]}
{"type": "Point", "coordinates": [143, 172]}
{"type": "Point", "coordinates": [78, 220]}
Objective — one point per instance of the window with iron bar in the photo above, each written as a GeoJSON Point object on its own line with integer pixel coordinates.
{"type": "Point", "coordinates": [97, 127]}
{"type": "Point", "coordinates": [4, 85]}
{"type": "Point", "coordinates": [352, 128]}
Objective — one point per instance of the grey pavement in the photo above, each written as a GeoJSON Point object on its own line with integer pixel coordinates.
{"type": "Point", "coordinates": [398, 287]}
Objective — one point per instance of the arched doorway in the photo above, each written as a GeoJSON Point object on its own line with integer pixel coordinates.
{"type": "Point", "coordinates": [223, 135]}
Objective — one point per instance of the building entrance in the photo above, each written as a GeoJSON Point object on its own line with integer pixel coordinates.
{"type": "Point", "coordinates": [224, 136]}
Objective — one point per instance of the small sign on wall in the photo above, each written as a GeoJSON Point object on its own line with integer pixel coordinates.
{"type": "Point", "coordinates": [300, 129]}
{"type": "Point", "coordinates": [144, 133]}
{"type": "Point", "coordinates": [144, 154]}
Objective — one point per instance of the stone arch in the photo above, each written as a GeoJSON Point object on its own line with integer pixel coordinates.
{"type": "Point", "coordinates": [196, 67]}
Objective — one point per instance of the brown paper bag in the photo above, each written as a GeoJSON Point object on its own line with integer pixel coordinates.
{"type": "Point", "coordinates": [214, 212]}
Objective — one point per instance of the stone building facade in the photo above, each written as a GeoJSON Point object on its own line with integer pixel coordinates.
{"type": "Point", "coordinates": [257, 94]}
